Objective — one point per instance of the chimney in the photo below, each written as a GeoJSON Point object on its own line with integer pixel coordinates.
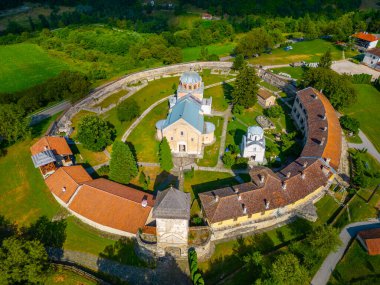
{"type": "Point", "coordinates": [266, 203]}
{"type": "Point", "coordinates": [244, 209]}
{"type": "Point", "coordinates": [325, 129]}
{"type": "Point", "coordinates": [325, 170]}
{"type": "Point", "coordinates": [46, 147]}
{"type": "Point", "coordinates": [328, 159]}
{"type": "Point", "coordinates": [239, 197]}
{"type": "Point", "coordinates": [303, 175]}
{"type": "Point", "coordinates": [144, 202]}
{"type": "Point", "coordinates": [283, 185]}
{"type": "Point", "coordinates": [262, 178]}
{"type": "Point", "coordinates": [305, 164]}
{"type": "Point", "coordinates": [288, 174]}
{"type": "Point", "coordinates": [320, 91]}
{"type": "Point", "coordinates": [236, 189]}
{"type": "Point", "coordinates": [216, 198]}
{"type": "Point", "coordinates": [63, 189]}
{"type": "Point", "coordinates": [322, 141]}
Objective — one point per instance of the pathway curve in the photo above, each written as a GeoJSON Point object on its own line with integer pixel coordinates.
{"type": "Point", "coordinates": [366, 143]}
{"type": "Point", "coordinates": [349, 232]}
{"type": "Point", "coordinates": [146, 112]}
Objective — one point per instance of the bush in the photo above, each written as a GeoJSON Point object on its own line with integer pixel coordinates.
{"type": "Point", "coordinates": [189, 173]}
{"type": "Point", "coordinates": [233, 148]}
{"type": "Point", "coordinates": [362, 78]}
{"type": "Point", "coordinates": [104, 170]}
{"type": "Point", "coordinates": [274, 112]}
{"type": "Point", "coordinates": [237, 109]}
{"type": "Point", "coordinates": [194, 271]}
{"type": "Point", "coordinates": [128, 110]}
{"type": "Point", "coordinates": [241, 162]}
{"type": "Point", "coordinates": [196, 221]}
{"type": "Point", "coordinates": [350, 124]}
{"type": "Point", "coordinates": [228, 159]}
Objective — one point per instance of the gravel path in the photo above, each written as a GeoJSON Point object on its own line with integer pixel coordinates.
{"type": "Point", "coordinates": [348, 233]}
{"type": "Point", "coordinates": [366, 143]}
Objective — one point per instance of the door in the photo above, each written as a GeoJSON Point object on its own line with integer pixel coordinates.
{"type": "Point", "coordinates": [182, 148]}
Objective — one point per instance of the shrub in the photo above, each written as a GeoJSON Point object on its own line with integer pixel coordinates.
{"type": "Point", "coordinates": [128, 110]}
{"type": "Point", "coordinates": [228, 159]}
{"type": "Point", "coordinates": [350, 124]}
{"type": "Point", "coordinates": [104, 170]}
{"type": "Point", "coordinates": [233, 148]}
{"type": "Point", "coordinates": [241, 162]}
{"type": "Point", "coordinates": [273, 112]}
{"type": "Point", "coordinates": [362, 78]}
{"type": "Point", "coordinates": [189, 173]}
{"type": "Point", "coordinates": [196, 221]}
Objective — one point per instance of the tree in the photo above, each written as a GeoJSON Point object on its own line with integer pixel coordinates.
{"type": "Point", "coordinates": [128, 110]}
{"type": "Point", "coordinates": [49, 233]}
{"type": "Point", "coordinates": [246, 87]}
{"type": "Point", "coordinates": [123, 165]}
{"type": "Point", "coordinates": [238, 62]}
{"type": "Point", "coordinates": [325, 60]}
{"type": "Point", "coordinates": [323, 240]}
{"type": "Point", "coordinates": [338, 88]}
{"type": "Point", "coordinates": [95, 133]}
{"type": "Point", "coordinates": [350, 124]}
{"type": "Point", "coordinates": [256, 41]}
{"type": "Point", "coordinates": [228, 159]}
{"type": "Point", "coordinates": [203, 54]}
{"type": "Point", "coordinates": [274, 112]}
{"type": "Point", "coordinates": [144, 180]}
{"type": "Point", "coordinates": [286, 269]}
{"type": "Point", "coordinates": [14, 126]}
{"type": "Point", "coordinates": [22, 262]}
{"type": "Point", "coordinates": [253, 260]}
{"type": "Point", "coordinates": [166, 161]}
{"type": "Point", "coordinates": [172, 55]}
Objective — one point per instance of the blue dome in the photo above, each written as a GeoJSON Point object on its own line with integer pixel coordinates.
{"type": "Point", "coordinates": [190, 77]}
{"type": "Point", "coordinates": [256, 130]}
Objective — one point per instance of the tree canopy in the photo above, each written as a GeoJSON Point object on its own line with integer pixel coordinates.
{"type": "Point", "coordinates": [246, 87]}
{"type": "Point", "coordinates": [286, 269]}
{"type": "Point", "coordinates": [123, 165]}
{"type": "Point", "coordinates": [14, 126]}
{"type": "Point", "coordinates": [22, 262]}
{"type": "Point", "coordinates": [350, 124]}
{"type": "Point", "coordinates": [338, 88]}
{"type": "Point", "coordinates": [95, 133]}
{"type": "Point", "coordinates": [326, 60]}
{"type": "Point", "coordinates": [128, 110]}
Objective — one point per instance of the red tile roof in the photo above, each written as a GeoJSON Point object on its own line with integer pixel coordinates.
{"type": "Point", "coordinates": [264, 94]}
{"type": "Point", "coordinates": [365, 36]}
{"type": "Point", "coordinates": [57, 144]}
{"type": "Point", "coordinates": [66, 180]}
{"type": "Point", "coordinates": [371, 238]}
{"type": "Point", "coordinates": [113, 205]}
{"type": "Point", "coordinates": [374, 51]}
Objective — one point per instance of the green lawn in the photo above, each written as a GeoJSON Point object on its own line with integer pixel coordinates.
{"type": "Point", "coordinates": [309, 51]}
{"type": "Point", "coordinates": [24, 65]}
{"type": "Point", "coordinates": [269, 86]}
{"type": "Point", "coordinates": [218, 94]}
{"type": "Point", "coordinates": [294, 72]}
{"type": "Point", "coordinates": [67, 277]}
{"type": "Point", "coordinates": [211, 152]}
{"type": "Point", "coordinates": [366, 110]}
{"type": "Point", "coordinates": [193, 53]}
{"type": "Point", "coordinates": [326, 207]}
{"type": "Point", "coordinates": [143, 136]}
{"type": "Point", "coordinates": [88, 157]}
{"type": "Point", "coordinates": [357, 267]}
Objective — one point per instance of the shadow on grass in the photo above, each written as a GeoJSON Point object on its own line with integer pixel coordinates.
{"type": "Point", "coordinates": [227, 90]}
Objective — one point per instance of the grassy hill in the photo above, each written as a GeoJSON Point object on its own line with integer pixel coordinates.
{"type": "Point", "coordinates": [24, 65]}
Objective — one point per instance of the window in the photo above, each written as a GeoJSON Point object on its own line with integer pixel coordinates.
{"type": "Point", "coordinates": [192, 139]}
{"type": "Point", "coordinates": [171, 138]}
{"type": "Point", "coordinates": [181, 133]}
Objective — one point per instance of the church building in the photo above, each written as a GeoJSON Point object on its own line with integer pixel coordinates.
{"type": "Point", "coordinates": [253, 145]}
{"type": "Point", "coordinates": [185, 128]}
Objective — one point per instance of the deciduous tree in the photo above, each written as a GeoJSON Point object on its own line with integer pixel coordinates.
{"type": "Point", "coordinates": [128, 110]}
{"type": "Point", "coordinates": [287, 270]}
{"type": "Point", "coordinates": [326, 60]}
{"type": "Point", "coordinates": [14, 126]}
{"type": "Point", "coordinates": [95, 133]}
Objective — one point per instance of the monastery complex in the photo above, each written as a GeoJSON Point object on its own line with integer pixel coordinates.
{"type": "Point", "coordinates": [268, 199]}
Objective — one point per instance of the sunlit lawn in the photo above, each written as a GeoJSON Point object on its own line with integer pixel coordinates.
{"type": "Point", "coordinates": [294, 72]}
{"type": "Point", "coordinates": [193, 53]}
{"type": "Point", "coordinates": [219, 101]}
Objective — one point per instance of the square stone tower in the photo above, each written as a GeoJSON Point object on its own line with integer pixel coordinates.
{"type": "Point", "coordinates": [172, 214]}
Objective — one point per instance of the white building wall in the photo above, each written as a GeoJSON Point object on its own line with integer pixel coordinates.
{"type": "Point", "coordinates": [371, 60]}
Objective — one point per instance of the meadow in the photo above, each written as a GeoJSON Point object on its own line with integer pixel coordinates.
{"type": "Point", "coordinates": [24, 65]}
{"type": "Point", "coordinates": [366, 110]}
{"type": "Point", "coordinates": [309, 51]}
{"type": "Point", "coordinates": [193, 53]}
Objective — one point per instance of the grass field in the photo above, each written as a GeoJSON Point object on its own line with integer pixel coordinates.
{"type": "Point", "coordinates": [366, 110]}
{"type": "Point", "coordinates": [24, 65]}
{"type": "Point", "coordinates": [211, 152]}
{"type": "Point", "coordinates": [309, 51]}
{"type": "Point", "coordinates": [143, 136]}
{"type": "Point", "coordinates": [294, 72]}
{"type": "Point", "coordinates": [357, 267]}
{"type": "Point", "coordinates": [193, 53]}
{"type": "Point", "coordinates": [218, 94]}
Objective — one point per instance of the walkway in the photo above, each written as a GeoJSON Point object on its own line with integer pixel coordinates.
{"type": "Point", "coordinates": [349, 232]}
{"type": "Point", "coordinates": [366, 143]}
{"type": "Point", "coordinates": [166, 272]}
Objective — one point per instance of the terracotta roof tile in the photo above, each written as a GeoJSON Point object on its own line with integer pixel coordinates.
{"type": "Point", "coordinates": [66, 180]}
{"type": "Point", "coordinates": [365, 36]}
{"type": "Point", "coordinates": [371, 238]}
{"type": "Point", "coordinates": [265, 94]}
{"type": "Point", "coordinates": [57, 144]}
{"type": "Point", "coordinates": [374, 51]}
{"type": "Point", "coordinates": [113, 205]}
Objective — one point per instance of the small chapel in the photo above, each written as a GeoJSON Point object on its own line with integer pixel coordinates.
{"type": "Point", "coordinates": [253, 145]}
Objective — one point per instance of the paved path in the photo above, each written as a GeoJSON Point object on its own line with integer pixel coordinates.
{"type": "Point", "coordinates": [166, 272]}
{"type": "Point", "coordinates": [348, 233]}
{"type": "Point", "coordinates": [48, 112]}
{"type": "Point", "coordinates": [366, 143]}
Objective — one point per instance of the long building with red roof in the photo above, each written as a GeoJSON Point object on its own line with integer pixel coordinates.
{"type": "Point", "coordinates": [365, 40]}
{"type": "Point", "coordinates": [269, 195]}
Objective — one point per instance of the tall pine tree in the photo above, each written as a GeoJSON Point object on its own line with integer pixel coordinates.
{"type": "Point", "coordinates": [123, 166]}
{"type": "Point", "coordinates": [246, 87]}
{"type": "Point", "coordinates": [166, 160]}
